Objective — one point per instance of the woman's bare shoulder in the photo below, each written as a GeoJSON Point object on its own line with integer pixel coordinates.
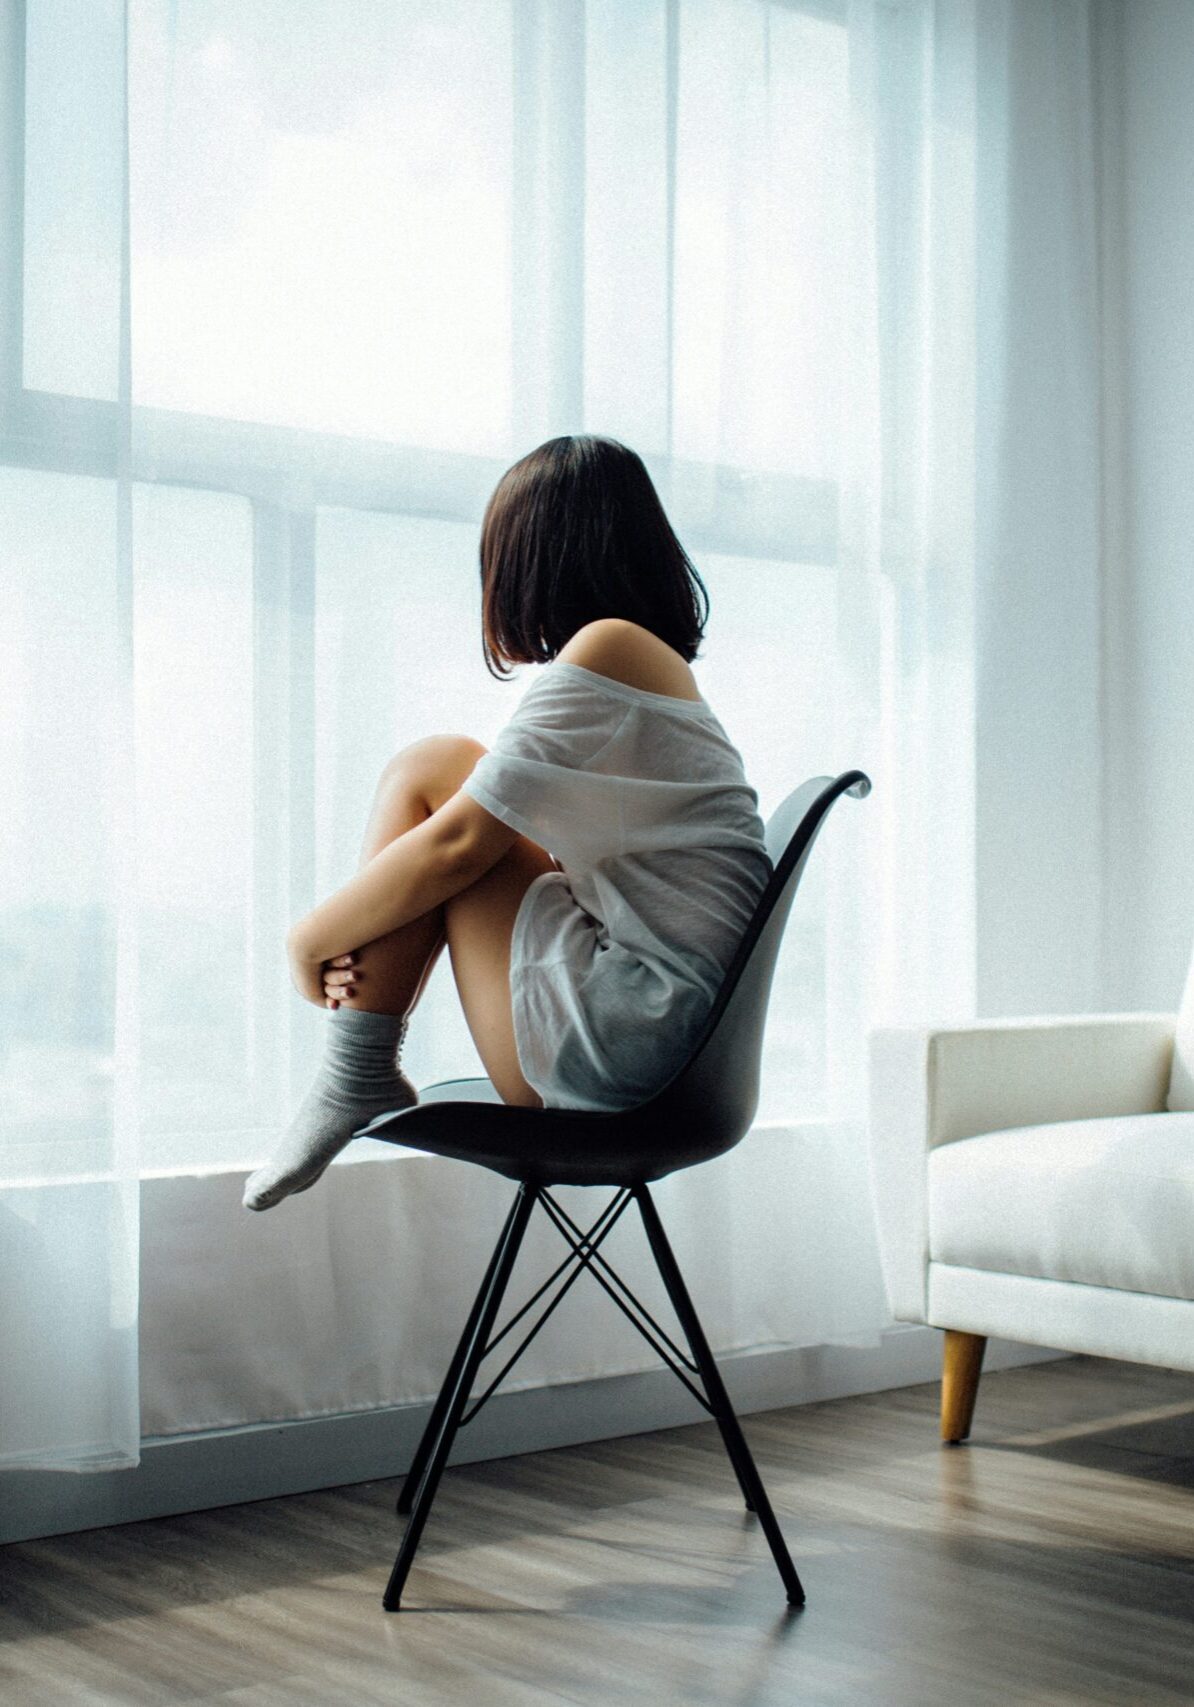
{"type": "Point", "coordinates": [628, 653]}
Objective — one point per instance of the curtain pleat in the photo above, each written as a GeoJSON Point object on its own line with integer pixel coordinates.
{"type": "Point", "coordinates": [286, 308]}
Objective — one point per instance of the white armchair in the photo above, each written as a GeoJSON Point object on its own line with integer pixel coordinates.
{"type": "Point", "coordinates": [1030, 1181]}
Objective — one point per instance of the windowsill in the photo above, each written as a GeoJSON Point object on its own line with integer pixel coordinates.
{"type": "Point", "coordinates": [360, 1151]}
{"type": "Point", "coordinates": [364, 1150]}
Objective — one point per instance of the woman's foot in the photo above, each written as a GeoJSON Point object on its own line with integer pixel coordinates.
{"type": "Point", "coordinates": [360, 1078]}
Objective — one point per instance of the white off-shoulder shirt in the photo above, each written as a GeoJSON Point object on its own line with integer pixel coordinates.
{"type": "Point", "coordinates": [616, 959]}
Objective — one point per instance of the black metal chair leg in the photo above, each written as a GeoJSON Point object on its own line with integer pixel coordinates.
{"type": "Point", "coordinates": [719, 1404]}
{"type": "Point", "coordinates": [485, 1316]}
{"type": "Point", "coordinates": [743, 1489]}
{"type": "Point", "coordinates": [719, 1399]}
{"type": "Point", "coordinates": [439, 1410]}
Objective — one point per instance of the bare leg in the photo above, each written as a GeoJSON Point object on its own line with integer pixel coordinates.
{"type": "Point", "coordinates": [390, 972]}
{"type": "Point", "coordinates": [480, 924]}
{"type": "Point", "coordinates": [360, 1077]}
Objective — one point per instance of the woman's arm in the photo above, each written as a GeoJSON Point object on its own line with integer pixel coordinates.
{"type": "Point", "coordinates": [412, 874]}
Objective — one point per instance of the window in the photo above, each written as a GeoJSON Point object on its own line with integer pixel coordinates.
{"type": "Point", "coordinates": [370, 262]}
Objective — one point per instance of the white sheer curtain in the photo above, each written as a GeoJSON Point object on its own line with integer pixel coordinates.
{"type": "Point", "coordinates": [274, 326]}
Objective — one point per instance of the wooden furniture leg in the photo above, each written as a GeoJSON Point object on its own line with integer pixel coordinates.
{"type": "Point", "coordinates": [962, 1365]}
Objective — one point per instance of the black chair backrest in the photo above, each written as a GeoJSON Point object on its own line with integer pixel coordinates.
{"type": "Point", "coordinates": [710, 1102]}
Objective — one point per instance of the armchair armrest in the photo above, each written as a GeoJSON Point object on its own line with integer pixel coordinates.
{"type": "Point", "coordinates": [933, 1086]}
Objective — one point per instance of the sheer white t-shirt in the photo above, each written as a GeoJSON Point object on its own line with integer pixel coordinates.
{"type": "Point", "coordinates": [616, 958]}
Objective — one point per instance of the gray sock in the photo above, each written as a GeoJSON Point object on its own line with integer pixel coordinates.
{"type": "Point", "coordinates": [360, 1078]}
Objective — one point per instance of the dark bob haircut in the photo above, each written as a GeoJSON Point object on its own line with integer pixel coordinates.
{"type": "Point", "coordinates": [575, 531]}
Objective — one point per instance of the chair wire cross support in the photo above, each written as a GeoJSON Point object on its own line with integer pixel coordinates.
{"type": "Point", "coordinates": [703, 1110]}
{"type": "Point", "coordinates": [452, 1410]}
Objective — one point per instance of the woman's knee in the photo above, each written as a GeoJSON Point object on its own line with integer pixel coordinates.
{"type": "Point", "coordinates": [434, 766]}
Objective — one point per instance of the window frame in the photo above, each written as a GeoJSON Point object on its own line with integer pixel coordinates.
{"type": "Point", "coordinates": [725, 508]}
{"type": "Point", "coordinates": [289, 474]}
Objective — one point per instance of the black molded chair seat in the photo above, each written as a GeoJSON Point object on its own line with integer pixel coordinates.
{"type": "Point", "coordinates": [703, 1110]}
{"type": "Point", "coordinates": [466, 1119]}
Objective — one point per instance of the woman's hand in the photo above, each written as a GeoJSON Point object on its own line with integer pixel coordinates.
{"type": "Point", "coordinates": [340, 977]}
{"type": "Point", "coordinates": [326, 983]}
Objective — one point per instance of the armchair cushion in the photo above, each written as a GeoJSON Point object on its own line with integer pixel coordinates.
{"type": "Point", "coordinates": [1106, 1202]}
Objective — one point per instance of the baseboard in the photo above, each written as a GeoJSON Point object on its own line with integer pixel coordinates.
{"type": "Point", "coordinates": [196, 1472]}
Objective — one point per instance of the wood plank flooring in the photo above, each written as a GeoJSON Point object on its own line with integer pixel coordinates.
{"type": "Point", "coordinates": [1050, 1561]}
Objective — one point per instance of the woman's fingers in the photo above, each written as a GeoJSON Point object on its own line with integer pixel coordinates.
{"type": "Point", "coordinates": [339, 980]}
{"type": "Point", "coordinates": [339, 985]}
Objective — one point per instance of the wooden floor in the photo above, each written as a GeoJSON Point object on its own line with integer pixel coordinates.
{"type": "Point", "coordinates": [1050, 1561]}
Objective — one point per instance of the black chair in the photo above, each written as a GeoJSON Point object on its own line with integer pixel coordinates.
{"type": "Point", "coordinates": [703, 1111]}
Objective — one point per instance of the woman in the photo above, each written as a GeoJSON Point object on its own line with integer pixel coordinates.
{"type": "Point", "coordinates": [591, 875]}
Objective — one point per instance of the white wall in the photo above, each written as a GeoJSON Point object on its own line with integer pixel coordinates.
{"type": "Point", "coordinates": [1150, 586]}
